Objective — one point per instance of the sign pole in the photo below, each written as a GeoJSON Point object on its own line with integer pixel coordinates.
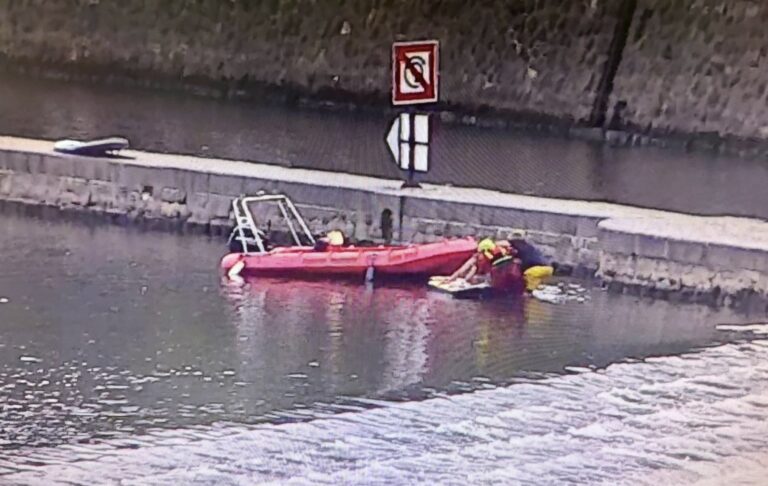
{"type": "Point", "coordinates": [411, 182]}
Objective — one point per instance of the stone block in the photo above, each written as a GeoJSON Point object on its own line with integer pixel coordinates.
{"type": "Point", "coordinates": [173, 195]}
{"type": "Point", "coordinates": [103, 194]}
{"type": "Point", "coordinates": [104, 170]}
{"type": "Point", "coordinates": [199, 182]}
{"type": "Point", "coordinates": [736, 258]}
{"type": "Point", "coordinates": [252, 186]}
{"type": "Point", "coordinates": [444, 211]}
{"type": "Point", "coordinates": [218, 206]}
{"type": "Point", "coordinates": [73, 184]}
{"type": "Point", "coordinates": [136, 178]}
{"type": "Point", "coordinates": [321, 195]}
{"type": "Point", "coordinates": [455, 229]}
{"type": "Point", "coordinates": [6, 180]}
{"type": "Point", "coordinates": [542, 238]}
{"type": "Point", "coordinates": [181, 179]}
{"type": "Point", "coordinates": [225, 185]}
{"type": "Point", "coordinates": [16, 162]}
{"type": "Point", "coordinates": [85, 167]}
{"type": "Point", "coordinates": [587, 258]}
{"type": "Point", "coordinates": [129, 200]}
{"type": "Point", "coordinates": [58, 166]}
{"type": "Point", "coordinates": [616, 242]}
{"type": "Point", "coordinates": [456, 212]}
{"type": "Point", "coordinates": [694, 276]}
{"type": "Point", "coordinates": [36, 164]}
{"type": "Point", "coordinates": [112, 172]}
{"type": "Point", "coordinates": [152, 205]}
{"type": "Point", "coordinates": [172, 210]}
{"type": "Point", "coordinates": [723, 257]}
{"type": "Point", "coordinates": [759, 261]}
{"type": "Point", "coordinates": [559, 223]}
{"type": "Point", "coordinates": [686, 251]}
{"type": "Point", "coordinates": [196, 203]}
{"type": "Point", "coordinates": [420, 208]}
{"type": "Point", "coordinates": [22, 186]}
{"type": "Point", "coordinates": [590, 244]}
{"type": "Point", "coordinates": [531, 220]}
{"type": "Point", "coordinates": [169, 177]}
{"type": "Point", "coordinates": [74, 191]}
{"type": "Point", "coordinates": [651, 247]}
{"type": "Point", "coordinates": [418, 238]}
{"type": "Point", "coordinates": [485, 215]}
{"type": "Point", "coordinates": [586, 227]}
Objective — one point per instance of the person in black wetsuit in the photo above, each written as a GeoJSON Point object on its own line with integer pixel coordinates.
{"type": "Point", "coordinates": [535, 267]}
{"type": "Point", "coordinates": [529, 255]}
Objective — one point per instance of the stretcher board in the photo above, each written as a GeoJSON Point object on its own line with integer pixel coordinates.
{"type": "Point", "coordinates": [460, 288]}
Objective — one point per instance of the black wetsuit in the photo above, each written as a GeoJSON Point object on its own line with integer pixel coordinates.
{"type": "Point", "coordinates": [529, 255]}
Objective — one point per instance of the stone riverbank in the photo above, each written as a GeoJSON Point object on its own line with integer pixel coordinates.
{"type": "Point", "coordinates": [714, 259]}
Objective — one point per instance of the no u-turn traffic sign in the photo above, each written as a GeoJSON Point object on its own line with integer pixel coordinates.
{"type": "Point", "coordinates": [414, 72]}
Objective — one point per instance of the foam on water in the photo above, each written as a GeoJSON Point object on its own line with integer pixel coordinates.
{"type": "Point", "coordinates": [684, 420]}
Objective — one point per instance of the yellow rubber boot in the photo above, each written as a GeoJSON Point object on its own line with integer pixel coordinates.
{"type": "Point", "coordinates": [535, 276]}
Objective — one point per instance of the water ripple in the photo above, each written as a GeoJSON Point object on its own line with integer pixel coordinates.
{"type": "Point", "coordinates": [581, 428]}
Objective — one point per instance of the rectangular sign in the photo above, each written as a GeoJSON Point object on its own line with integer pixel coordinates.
{"type": "Point", "coordinates": [414, 72]}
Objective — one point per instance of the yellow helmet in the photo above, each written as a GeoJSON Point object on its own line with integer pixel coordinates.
{"type": "Point", "coordinates": [335, 238]}
{"type": "Point", "coordinates": [486, 246]}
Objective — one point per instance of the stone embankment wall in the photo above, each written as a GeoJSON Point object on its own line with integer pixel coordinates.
{"type": "Point", "coordinates": [722, 260]}
{"type": "Point", "coordinates": [689, 66]}
{"type": "Point", "coordinates": [696, 66]}
{"type": "Point", "coordinates": [541, 57]}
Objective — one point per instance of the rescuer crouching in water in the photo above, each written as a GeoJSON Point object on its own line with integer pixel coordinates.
{"type": "Point", "coordinates": [502, 261]}
{"type": "Point", "coordinates": [493, 261]}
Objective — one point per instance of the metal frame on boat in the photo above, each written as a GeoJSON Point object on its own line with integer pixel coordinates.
{"type": "Point", "coordinates": [245, 223]}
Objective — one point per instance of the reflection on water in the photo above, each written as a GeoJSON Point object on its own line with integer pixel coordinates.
{"type": "Point", "coordinates": [115, 338]}
{"type": "Point", "coordinates": [354, 142]}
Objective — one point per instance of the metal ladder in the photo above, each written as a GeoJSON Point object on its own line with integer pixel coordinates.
{"type": "Point", "coordinates": [244, 219]}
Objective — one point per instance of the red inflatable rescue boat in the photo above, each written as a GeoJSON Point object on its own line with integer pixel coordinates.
{"type": "Point", "coordinates": [251, 255]}
{"type": "Point", "coordinates": [422, 260]}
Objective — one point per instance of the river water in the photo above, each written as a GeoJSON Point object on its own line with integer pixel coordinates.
{"type": "Point", "coordinates": [512, 161]}
{"type": "Point", "coordinates": [125, 359]}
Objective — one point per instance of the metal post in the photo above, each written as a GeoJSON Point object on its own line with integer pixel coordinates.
{"type": "Point", "coordinates": [301, 221]}
{"type": "Point", "coordinates": [254, 229]}
{"type": "Point", "coordinates": [289, 223]}
{"type": "Point", "coordinates": [411, 182]}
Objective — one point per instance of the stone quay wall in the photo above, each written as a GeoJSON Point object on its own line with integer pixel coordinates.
{"type": "Point", "coordinates": [709, 259]}
{"type": "Point", "coordinates": [696, 66]}
{"type": "Point", "coordinates": [541, 57]}
{"type": "Point", "coordinates": [654, 66]}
